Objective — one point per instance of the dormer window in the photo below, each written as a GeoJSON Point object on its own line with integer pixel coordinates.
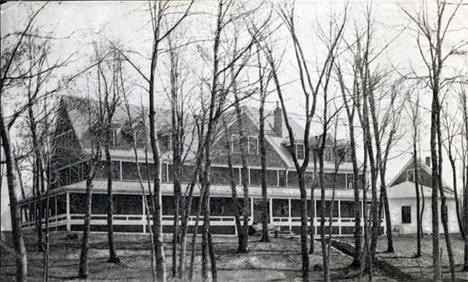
{"type": "Point", "coordinates": [166, 140]}
{"type": "Point", "coordinates": [252, 145]}
{"type": "Point", "coordinates": [300, 152]}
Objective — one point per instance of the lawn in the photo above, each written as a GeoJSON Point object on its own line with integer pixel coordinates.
{"type": "Point", "coordinates": [278, 260]}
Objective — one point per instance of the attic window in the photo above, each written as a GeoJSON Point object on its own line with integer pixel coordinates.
{"type": "Point", "coordinates": [166, 140]}
{"type": "Point", "coordinates": [235, 143]}
{"type": "Point", "coordinates": [300, 152]}
{"type": "Point", "coordinates": [410, 175]}
{"type": "Point", "coordinates": [113, 138]}
{"type": "Point", "coordinates": [253, 145]}
{"type": "Point", "coordinates": [328, 155]}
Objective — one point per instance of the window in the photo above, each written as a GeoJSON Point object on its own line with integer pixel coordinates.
{"type": "Point", "coordinates": [328, 155]}
{"type": "Point", "coordinates": [410, 175]}
{"type": "Point", "coordinates": [347, 209]}
{"type": "Point", "coordinates": [253, 145]}
{"type": "Point", "coordinates": [281, 207]}
{"type": "Point", "coordinates": [235, 143]}
{"type": "Point", "coordinates": [166, 141]}
{"type": "Point", "coordinates": [300, 152]}
{"type": "Point", "coordinates": [406, 214]}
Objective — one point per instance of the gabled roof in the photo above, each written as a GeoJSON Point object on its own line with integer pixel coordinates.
{"type": "Point", "coordinates": [279, 144]}
{"type": "Point", "coordinates": [425, 169]}
{"type": "Point", "coordinates": [81, 115]}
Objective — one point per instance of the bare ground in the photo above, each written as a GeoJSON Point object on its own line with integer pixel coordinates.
{"type": "Point", "coordinates": [421, 268]}
{"type": "Point", "coordinates": [278, 260]}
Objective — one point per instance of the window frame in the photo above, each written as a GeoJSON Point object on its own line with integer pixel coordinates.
{"type": "Point", "coordinates": [249, 138]}
{"type": "Point", "coordinates": [302, 156]}
{"type": "Point", "coordinates": [235, 139]}
{"type": "Point", "coordinates": [406, 214]}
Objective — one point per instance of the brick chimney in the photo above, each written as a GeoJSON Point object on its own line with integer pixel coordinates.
{"type": "Point", "coordinates": [428, 161]}
{"type": "Point", "coordinates": [278, 120]}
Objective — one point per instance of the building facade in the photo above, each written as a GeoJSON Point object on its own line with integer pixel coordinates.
{"type": "Point", "coordinates": [402, 200]}
{"type": "Point", "coordinates": [73, 134]}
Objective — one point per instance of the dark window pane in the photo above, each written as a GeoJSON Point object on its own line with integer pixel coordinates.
{"type": "Point", "coordinates": [130, 171]}
{"type": "Point", "coordinates": [101, 170]}
{"type": "Point", "coordinates": [300, 151]}
{"type": "Point", "coordinates": [128, 204]}
{"type": "Point", "coordinates": [310, 209]}
{"type": "Point", "coordinates": [282, 178]}
{"type": "Point", "coordinates": [347, 209]}
{"type": "Point", "coordinates": [255, 177]}
{"type": "Point", "coordinates": [195, 203]}
{"type": "Point", "coordinates": [77, 203]}
{"type": "Point", "coordinates": [187, 173]}
{"type": "Point", "coordinates": [341, 181]}
{"type": "Point", "coordinates": [309, 178]}
{"type": "Point", "coordinates": [217, 206]}
{"type": "Point", "coordinates": [328, 180]}
{"type": "Point", "coordinates": [76, 173]}
{"type": "Point", "coordinates": [280, 207]}
{"type": "Point", "coordinates": [406, 214]}
{"type": "Point", "coordinates": [61, 204]}
{"type": "Point", "coordinates": [222, 175]}
{"type": "Point", "coordinates": [99, 205]}
{"type": "Point", "coordinates": [328, 205]}
{"type": "Point", "coordinates": [292, 179]}
{"type": "Point", "coordinates": [295, 208]}
{"type": "Point", "coordinates": [168, 205]}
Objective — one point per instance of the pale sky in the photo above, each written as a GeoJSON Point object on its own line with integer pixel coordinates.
{"type": "Point", "coordinates": [128, 22]}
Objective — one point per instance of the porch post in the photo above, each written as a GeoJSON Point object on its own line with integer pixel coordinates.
{"type": "Point", "coordinates": [68, 212]}
{"type": "Point", "coordinates": [270, 209]}
{"type": "Point", "coordinates": [143, 213]}
{"type": "Point", "coordinates": [339, 216]}
{"type": "Point", "coordinates": [289, 211]}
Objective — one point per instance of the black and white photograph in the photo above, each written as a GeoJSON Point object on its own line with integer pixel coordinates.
{"type": "Point", "coordinates": [234, 140]}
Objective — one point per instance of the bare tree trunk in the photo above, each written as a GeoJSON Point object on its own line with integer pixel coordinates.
{"type": "Point", "coordinates": [83, 272]}
{"type": "Point", "coordinates": [157, 209]}
{"type": "Point", "coordinates": [435, 190]}
{"type": "Point", "coordinates": [465, 213]}
{"type": "Point", "coordinates": [418, 202]}
{"type": "Point", "coordinates": [265, 212]}
{"type": "Point", "coordinates": [235, 200]}
{"type": "Point", "coordinates": [244, 246]}
{"type": "Point", "coordinates": [444, 211]}
{"type": "Point", "coordinates": [350, 112]}
{"type": "Point", "coordinates": [17, 234]}
{"type": "Point", "coordinates": [110, 206]}
{"type": "Point", "coordinates": [312, 205]}
{"type": "Point", "coordinates": [463, 98]}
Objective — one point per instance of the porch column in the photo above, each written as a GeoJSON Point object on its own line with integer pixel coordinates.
{"type": "Point", "coordinates": [143, 213]}
{"type": "Point", "coordinates": [339, 217]}
{"type": "Point", "coordinates": [270, 216]}
{"type": "Point", "coordinates": [68, 212]}
{"type": "Point", "coordinates": [289, 215]}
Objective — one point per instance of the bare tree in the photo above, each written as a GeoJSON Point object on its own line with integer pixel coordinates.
{"type": "Point", "coordinates": [451, 132]}
{"type": "Point", "coordinates": [413, 110]}
{"type": "Point", "coordinates": [310, 91]}
{"type": "Point", "coordinates": [11, 74]}
{"type": "Point", "coordinates": [431, 36]}
{"type": "Point", "coordinates": [109, 73]}
{"type": "Point", "coordinates": [348, 95]}
{"type": "Point", "coordinates": [464, 151]}
{"type": "Point", "coordinates": [264, 80]}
